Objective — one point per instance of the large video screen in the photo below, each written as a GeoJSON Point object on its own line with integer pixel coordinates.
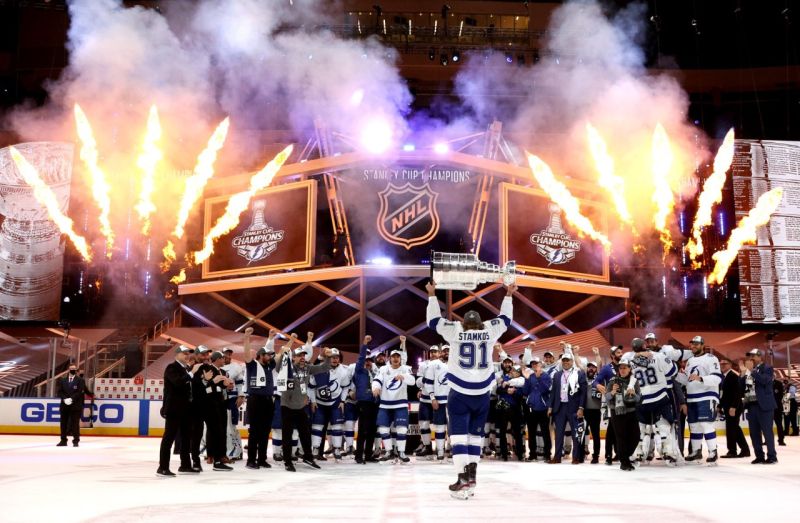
{"type": "Point", "coordinates": [769, 270]}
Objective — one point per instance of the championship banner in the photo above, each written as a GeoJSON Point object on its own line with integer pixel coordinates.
{"type": "Point", "coordinates": [276, 232]}
{"type": "Point", "coordinates": [534, 233]}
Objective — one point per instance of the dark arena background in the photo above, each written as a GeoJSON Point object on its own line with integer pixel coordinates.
{"type": "Point", "coordinates": [174, 173]}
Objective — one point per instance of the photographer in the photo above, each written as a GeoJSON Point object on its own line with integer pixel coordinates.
{"type": "Point", "coordinates": [623, 396]}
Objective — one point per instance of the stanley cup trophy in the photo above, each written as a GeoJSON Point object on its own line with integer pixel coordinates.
{"type": "Point", "coordinates": [465, 272]}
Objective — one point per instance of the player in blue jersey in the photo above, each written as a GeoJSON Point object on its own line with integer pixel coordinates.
{"type": "Point", "coordinates": [471, 376]}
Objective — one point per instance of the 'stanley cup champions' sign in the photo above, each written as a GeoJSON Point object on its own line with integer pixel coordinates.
{"type": "Point", "coordinates": [533, 233]}
{"type": "Point", "coordinates": [277, 232]}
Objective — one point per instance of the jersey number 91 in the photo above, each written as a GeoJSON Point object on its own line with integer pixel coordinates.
{"type": "Point", "coordinates": [471, 356]}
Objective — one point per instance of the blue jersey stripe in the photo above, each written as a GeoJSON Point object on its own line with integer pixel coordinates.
{"type": "Point", "coordinates": [455, 380]}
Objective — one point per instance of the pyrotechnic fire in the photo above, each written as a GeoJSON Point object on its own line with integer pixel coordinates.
{"type": "Point", "coordinates": [100, 188]}
{"type": "Point", "coordinates": [559, 193]}
{"type": "Point", "coordinates": [180, 278]}
{"type": "Point", "coordinates": [238, 203]}
{"type": "Point", "coordinates": [169, 256]}
{"type": "Point", "coordinates": [604, 163]}
{"type": "Point", "coordinates": [745, 232]}
{"type": "Point", "coordinates": [147, 162]}
{"type": "Point", "coordinates": [711, 195]}
{"type": "Point", "coordinates": [203, 171]}
{"type": "Point", "coordinates": [47, 197]}
{"type": "Point", "coordinates": [662, 159]}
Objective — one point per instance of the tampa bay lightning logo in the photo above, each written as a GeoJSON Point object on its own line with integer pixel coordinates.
{"type": "Point", "coordinates": [443, 380]}
{"type": "Point", "coordinates": [394, 385]}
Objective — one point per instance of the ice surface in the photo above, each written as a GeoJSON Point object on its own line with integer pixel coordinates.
{"type": "Point", "coordinates": [113, 479]}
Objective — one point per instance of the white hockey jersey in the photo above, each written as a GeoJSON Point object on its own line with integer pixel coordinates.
{"type": "Point", "coordinates": [707, 367]}
{"type": "Point", "coordinates": [470, 368]}
{"type": "Point", "coordinates": [424, 378]}
{"type": "Point", "coordinates": [237, 374]}
{"type": "Point", "coordinates": [394, 392]}
{"type": "Point", "coordinates": [439, 386]}
{"type": "Point", "coordinates": [653, 374]}
{"type": "Point", "coordinates": [328, 388]}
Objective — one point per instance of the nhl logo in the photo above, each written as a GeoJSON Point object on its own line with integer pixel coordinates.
{"type": "Point", "coordinates": [259, 240]}
{"type": "Point", "coordinates": [408, 215]}
{"type": "Point", "coordinates": [553, 243]}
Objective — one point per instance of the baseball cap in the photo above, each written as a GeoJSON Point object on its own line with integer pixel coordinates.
{"type": "Point", "coordinates": [755, 352]}
{"type": "Point", "coordinates": [434, 348]}
{"type": "Point", "coordinates": [264, 350]}
{"type": "Point", "coordinates": [625, 361]}
{"type": "Point", "coordinates": [567, 357]}
{"type": "Point", "coordinates": [446, 348]}
{"type": "Point", "coordinates": [697, 339]}
{"type": "Point", "coordinates": [396, 351]}
{"type": "Point", "coordinates": [183, 348]}
{"type": "Point", "coordinates": [472, 316]}
{"type": "Point", "coordinates": [335, 352]}
{"type": "Point", "coordinates": [509, 358]}
{"type": "Point", "coordinates": [593, 364]}
{"type": "Point", "coordinates": [650, 336]}
{"type": "Point", "coordinates": [227, 349]}
{"type": "Point", "coordinates": [517, 368]}
{"type": "Point", "coordinates": [299, 350]}
{"type": "Point", "coordinates": [202, 349]}
{"type": "Point", "coordinates": [216, 355]}
{"type": "Point", "coordinates": [547, 353]}
{"type": "Point", "coordinates": [536, 359]}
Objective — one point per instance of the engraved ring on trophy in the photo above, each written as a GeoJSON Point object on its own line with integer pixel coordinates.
{"type": "Point", "coordinates": [458, 271]}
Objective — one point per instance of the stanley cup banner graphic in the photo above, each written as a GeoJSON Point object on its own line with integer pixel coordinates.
{"type": "Point", "coordinates": [259, 240]}
{"type": "Point", "coordinates": [534, 233]}
{"type": "Point", "coordinates": [278, 231]}
{"type": "Point", "coordinates": [31, 246]}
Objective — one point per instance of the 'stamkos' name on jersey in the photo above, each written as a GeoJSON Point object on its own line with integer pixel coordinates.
{"type": "Point", "coordinates": [473, 336]}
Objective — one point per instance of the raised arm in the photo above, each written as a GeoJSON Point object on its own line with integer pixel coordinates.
{"type": "Point", "coordinates": [446, 329]}
{"type": "Point", "coordinates": [248, 351]}
{"type": "Point", "coordinates": [362, 354]}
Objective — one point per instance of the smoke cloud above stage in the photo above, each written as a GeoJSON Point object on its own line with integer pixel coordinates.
{"type": "Point", "coordinates": [588, 107]}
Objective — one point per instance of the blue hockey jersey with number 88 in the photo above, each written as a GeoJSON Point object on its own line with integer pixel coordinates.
{"type": "Point", "coordinates": [470, 368]}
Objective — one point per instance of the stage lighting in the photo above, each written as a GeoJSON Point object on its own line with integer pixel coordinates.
{"type": "Point", "coordinates": [443, 58]}
{"type": "Point", "coordinates": [441, 148]}
{"type": "Point", "coordinates": [509, 58]}
{"type": "Point", "coordinates": [456, 55]}
{"type": "Point", "coordinates": [380, 260]}
{"type": "Point", "coordinates": [431, 54]}
{"type": "Point", "coordinates": [409, 147]}
{"type": "Point", "coordinates": [376, 136]}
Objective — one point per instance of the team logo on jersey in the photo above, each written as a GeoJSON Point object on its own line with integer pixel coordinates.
{"type": "Point", "coordinates": [394, 385]}
{"type": "Point", "coordinates": [554, 244]}
{"type": "Point", "coordinates": [259, 240]}
{"type": "Point", "coordinates": [408, 215]}
{"type": "Point", "coordinates": [443, 380]}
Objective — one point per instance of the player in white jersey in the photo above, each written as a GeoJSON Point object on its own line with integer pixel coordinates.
{"type": "Point", "coordinates": [471, 377]}
{"type": "Point", "coordinates": [437, 389]}
{"type": "Point", "coordinates": [235, 400]}
{"type": "Point", "coordinates": [425, 414]}
{"type": "Point", "coordinates": [652, 370]}
{"type": "Point", "coordinates": [391, 385]}
{"type": "Point", "coordinates": [702, 398]}
{"type": "Point", "coordinates": [327, 392]}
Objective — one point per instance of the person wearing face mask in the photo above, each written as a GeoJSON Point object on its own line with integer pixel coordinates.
{"type": "Point", "coordinates": [71, 390]}
{"type": "Point", "coordinates": [592, 413]}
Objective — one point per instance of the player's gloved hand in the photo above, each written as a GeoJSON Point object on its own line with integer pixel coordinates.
{"type": "Point", "coordinates": [67, 401]}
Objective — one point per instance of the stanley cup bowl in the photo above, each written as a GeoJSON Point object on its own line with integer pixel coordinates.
{"type": "Point", "coordinates": [460, 271]}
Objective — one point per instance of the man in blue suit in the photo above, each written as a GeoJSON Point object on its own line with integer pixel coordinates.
{"type": "Point", "coordinates": [756, 382]}
{"type": "Point", "coordinates": [567, 400]}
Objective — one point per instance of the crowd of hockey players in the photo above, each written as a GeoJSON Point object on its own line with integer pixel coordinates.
{"type": "Point", "coordinates": [311, 406]}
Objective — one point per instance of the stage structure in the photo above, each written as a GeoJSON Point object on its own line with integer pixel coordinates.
{"type": "Point", "coordinates": [380, 217]}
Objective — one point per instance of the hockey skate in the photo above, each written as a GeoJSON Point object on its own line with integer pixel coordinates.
{"type": "Point", "coordinates": [711, 460]}
{"type": "Point", "coordinates": [695, 456]}
{"type": "Point", "coordinates": [337, 455]}
{"type": "Point", "coordinates": [461, 488]}
{"type": "Point", "coordinates": [390, 456]}
{"type": "Point", "coordinates": [472, 472]}
{"type": "Point", "coordinates": [440, 459]}
{"type": "Point", "coordinates": [424, 452]}
{"type": "Point", "coordinates": [403, 459]}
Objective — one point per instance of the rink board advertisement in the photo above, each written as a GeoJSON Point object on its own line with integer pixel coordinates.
{"type": "Point", "coordinates": [42, 416]}
{"type": "Point", "coordinates": [535, 234]}
{"type": "Point", "coordinates": [277, 231]}
{"type": "Point", "coordinates": [769, 270]}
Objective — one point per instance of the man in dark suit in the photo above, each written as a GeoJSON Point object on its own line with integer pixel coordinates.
{"type": "Point", "coordinates": [567, 400]}
{"type": "Point", "coordinates": [176, 412]}
{"type": "Point", "coordinates": [731, 406]}
{"type": "Point", "coordinates": [756, 382]}
{"type": "Point", "coordinates": [71, 389]}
